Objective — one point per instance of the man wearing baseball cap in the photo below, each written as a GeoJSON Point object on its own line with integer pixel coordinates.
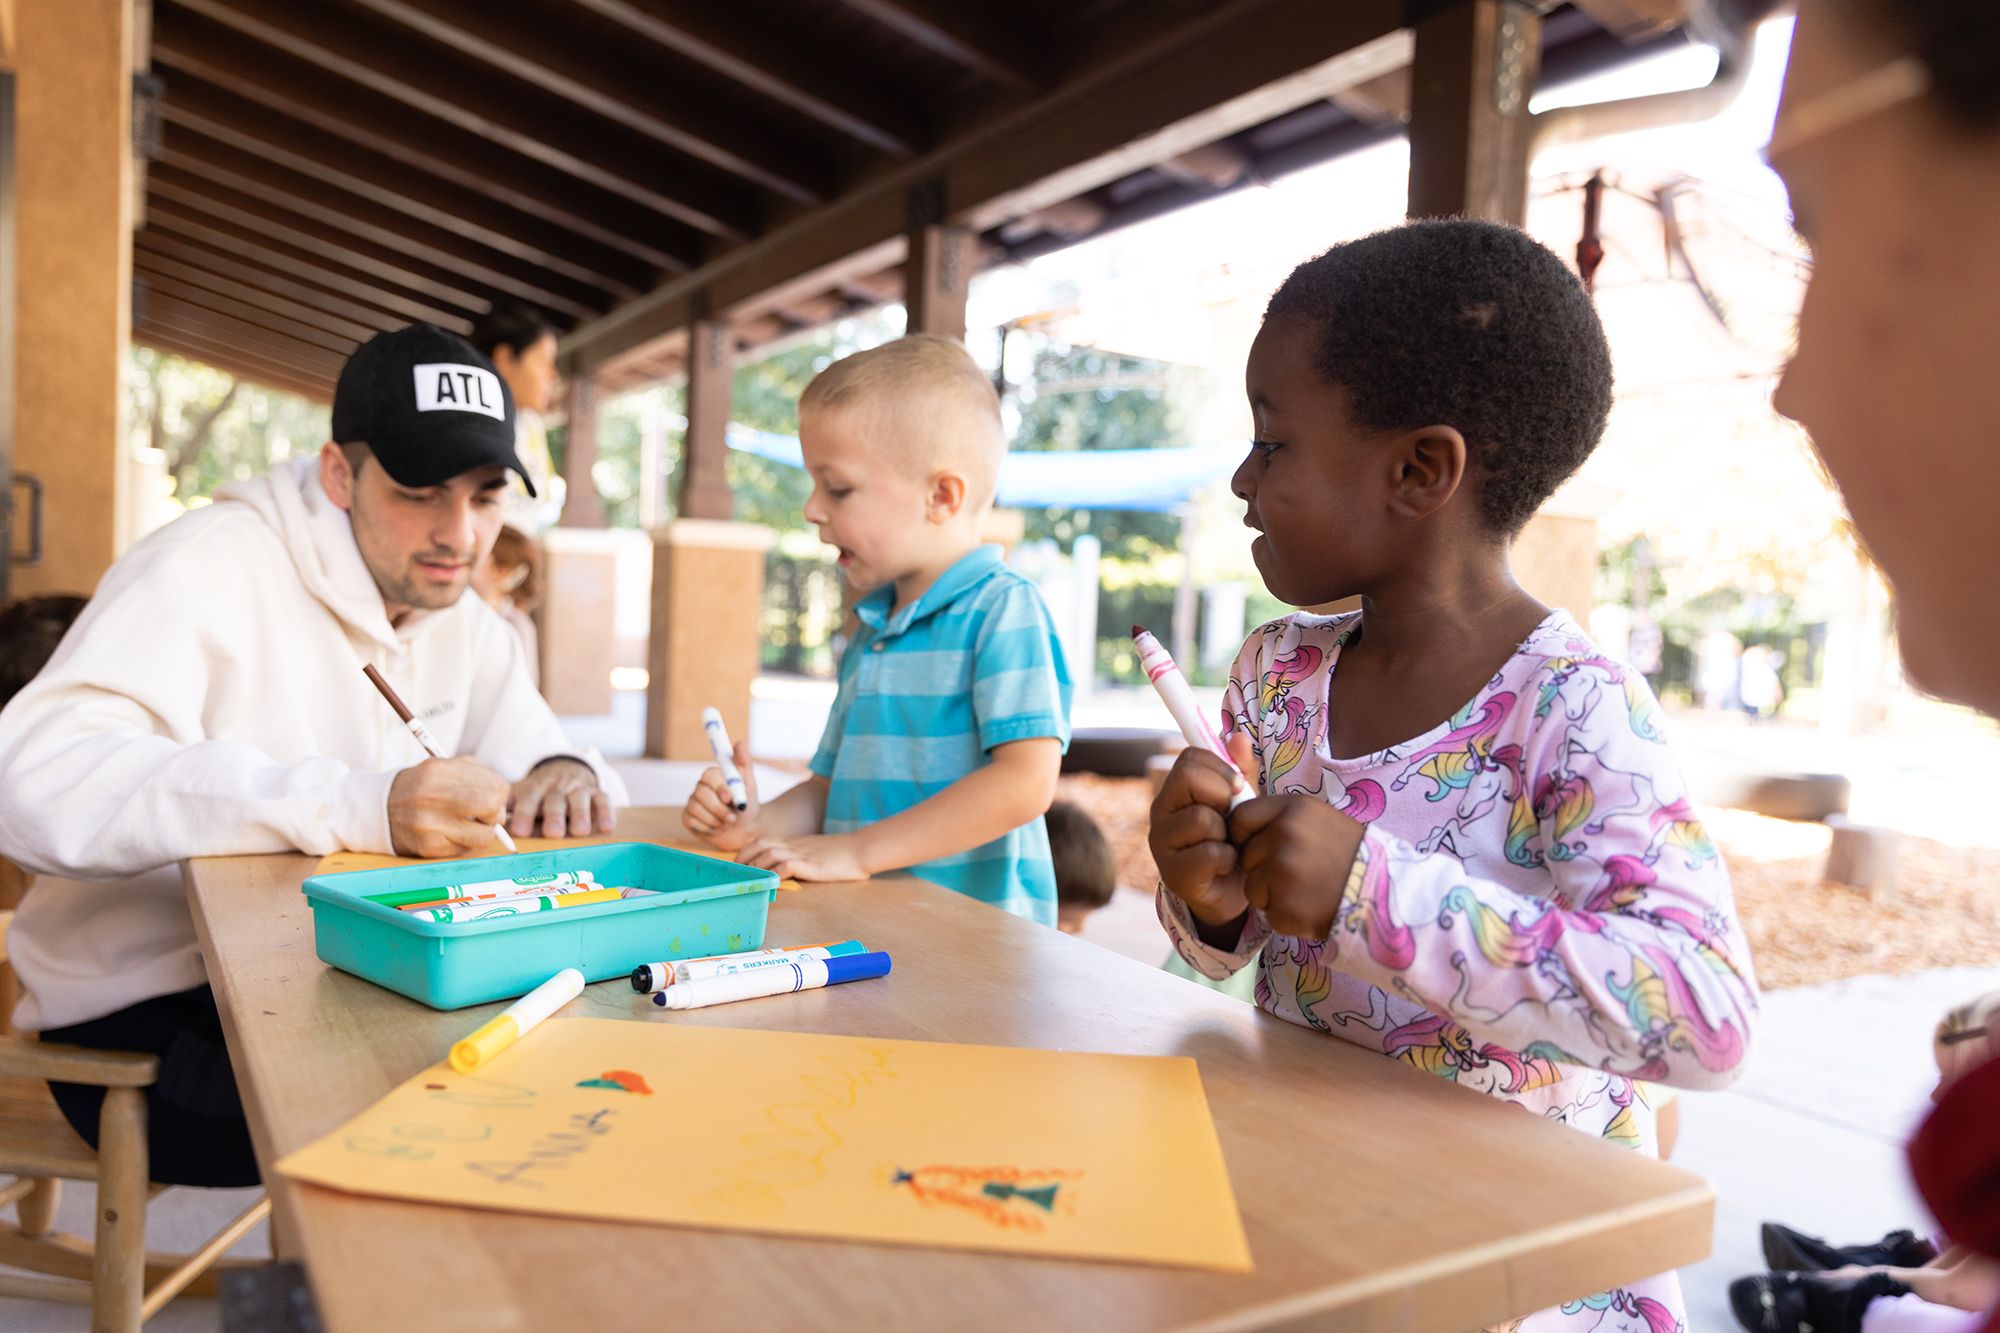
{"type": "Point", "coordinates": [211, 702]}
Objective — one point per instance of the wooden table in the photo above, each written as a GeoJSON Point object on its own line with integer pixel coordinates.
{"type": "Point", "coordinates": [1374, 1196]}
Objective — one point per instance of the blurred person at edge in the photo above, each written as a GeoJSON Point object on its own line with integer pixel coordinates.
{"type": "Point", "coordinates": [1888, 139]}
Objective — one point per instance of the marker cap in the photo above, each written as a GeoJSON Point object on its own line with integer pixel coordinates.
{"type": "Point", "coordinates": [484, 1044]}
{"type": "Point", "coordinates": [856, 967]}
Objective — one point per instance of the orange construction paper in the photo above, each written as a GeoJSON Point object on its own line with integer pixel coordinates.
{"type": "Point", "coordinates": [1110, 1157]}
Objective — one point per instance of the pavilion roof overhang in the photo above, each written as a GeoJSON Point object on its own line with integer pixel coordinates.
{"type": "Point", "coordinates": [330, 168]}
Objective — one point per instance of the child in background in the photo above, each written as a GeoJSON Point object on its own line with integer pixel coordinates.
{"type": "Point", "coordinates": [1899, 1284]}
{"type": "Point", "coordinates": [1086, 871]}
{"type": "Point", "coordinates": [942, 749]}
{"type": "Point", "coordinates": [1473, 851]}
{"type": "Point", "coordinates": [510, 581]}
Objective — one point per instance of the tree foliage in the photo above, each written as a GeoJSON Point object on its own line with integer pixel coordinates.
{"type": "Point", "coordinates": [1082, 398]}
{"type": "Point", "coordinates": [210, 427]}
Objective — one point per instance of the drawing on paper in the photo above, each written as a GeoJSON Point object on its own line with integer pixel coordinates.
{"type": "Point", "coordinates": [1006, 1196]}
{"type": "Point", "coordinates": [880, 1140]}
{"type": "Point", "coordinates": [789, 1147]}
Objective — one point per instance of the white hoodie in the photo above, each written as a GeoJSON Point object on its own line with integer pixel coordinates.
{"type": "Point", "coordinates": [210, 702]}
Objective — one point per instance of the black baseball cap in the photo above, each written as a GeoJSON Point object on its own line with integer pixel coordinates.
{"type": "Point", "coordinates": [427, 405]}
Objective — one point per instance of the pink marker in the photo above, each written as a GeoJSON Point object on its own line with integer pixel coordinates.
{"type": "Point", "coordinates": [1179, 699]}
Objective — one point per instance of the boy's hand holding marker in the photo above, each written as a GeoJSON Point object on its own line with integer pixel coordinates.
{"type": "Point", "coordinates": [711, 812]}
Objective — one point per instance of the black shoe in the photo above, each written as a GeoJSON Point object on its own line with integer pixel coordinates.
{"type": "Point", "coordinates": [1807, 1302]}
{"type": "Point", "coordinates": [1789, 1251]}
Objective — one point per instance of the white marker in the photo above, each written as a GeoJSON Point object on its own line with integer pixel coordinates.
{"type": "Point", "coordinates": [803, 974]}
{"type": "Point", "coordinates": [516, 1020]}
{"type": "Point", "coordinates": [654, 977]}
{"type": "Point", "coordinates": [1174, 692]}
{"type": "Point", "coordinates": [725, 757]}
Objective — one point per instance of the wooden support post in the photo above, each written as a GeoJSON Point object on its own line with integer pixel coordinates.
{"type": "Point", "coordinates": [73, 196]}
{"type": "Point", "coordinates": [578, 618]}
{"type": "Point", "coordinates": [938, 270]}
{"type": "Point", "coordinates": [706, 648]}
{"type": "Point", "coordinates": [582, 507]}
{"type": "Point", "coordinates": [711, 371]}
{"type": "Point", "coordinates": [1472, 75]}
{"type": "Point", "coordinates": [118, 1288]}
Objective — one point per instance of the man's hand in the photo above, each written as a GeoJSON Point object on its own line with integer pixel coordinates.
{"type": "Point", "coordinates": [1189, 835]}
{"type": "Point", "coordinates": [818, 856]}
{"type": "Point", "coordinates": [1295, 853]}
{"type": "Point", "coordinates": [446, 807]}
{"type": "Point", "coordinates": [711, 813]}
{"type": "Point", "coordinates": [564, 798]}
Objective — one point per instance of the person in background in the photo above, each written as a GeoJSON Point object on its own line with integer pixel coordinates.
{"type": "Point", "coordinates": [1086, 871]}
{"type": "Point", "coordinates": [1888, 139]}
{"type": "Point", "coordinates": [510, 581]}
{"type": "Point", "coordinates": [1901, 1283]}
{"type": "Point", "coordinates": [30, 629]}
{"type": "Point", "coordinates": [522, 347]}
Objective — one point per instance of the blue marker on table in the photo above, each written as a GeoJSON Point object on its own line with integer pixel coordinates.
{"type": "Point", "coordinates": [804, 974]}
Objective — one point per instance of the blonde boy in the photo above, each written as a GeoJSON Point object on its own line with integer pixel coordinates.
{"type": "Point", "coordinates": [942, 749]}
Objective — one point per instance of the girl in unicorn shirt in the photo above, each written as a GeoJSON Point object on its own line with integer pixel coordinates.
{"type": "Point", "coordinates": [1473, 851]}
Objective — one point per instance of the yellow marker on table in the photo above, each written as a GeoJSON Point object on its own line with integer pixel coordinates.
{"type": "Point", "coordinates": [511, 1023]}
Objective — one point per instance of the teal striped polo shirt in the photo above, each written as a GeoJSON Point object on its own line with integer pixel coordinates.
{"type": "Point", "coordinates": [925, 695]}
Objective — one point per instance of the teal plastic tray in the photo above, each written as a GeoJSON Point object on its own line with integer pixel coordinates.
{"type": "Point", "coordinates": [700, 906]}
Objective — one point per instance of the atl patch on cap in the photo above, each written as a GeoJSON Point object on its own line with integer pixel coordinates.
{"type": "Point", "coordinates": [446, 386]}
{"type": "Point", "coordinates": [428, 406]}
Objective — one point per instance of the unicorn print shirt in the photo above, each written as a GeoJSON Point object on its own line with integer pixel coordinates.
{"type": "Point", "coordinates": [1535, 912]}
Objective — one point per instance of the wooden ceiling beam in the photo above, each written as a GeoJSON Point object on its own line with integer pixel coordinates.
{"type": "Point", "coordinates": [228, 273]}
{"type": "Point", "coordinates": [361, 206]}
{"type": "Point", "coordinates": [361, 144]}
{"type": "Point", "coordinates": [401, 291]}
{"type": "Point", "coordinates": [1215, 165]}
{"type": "Point", "coordinates": [770, 68]}
{"type": "Point", "coordinates": [527, 47]}
{"type": "Point", "coordinates": [280, 199]}
{"type": "Point", "coordinates": [1379, 101]}
{"type": "Point", "coordinates": [202, 288]}
{"type": "Point", "coordinates": [1233, 66]}
{"type": "Point", "coordinates": [1635, 20]}
{"type": "Point", "coordinates": [288, 275]}
{"type": "Point", "coordinates": [275, 349]}
{"type": "Point", "coordinates": [242, 365]}
{"type": "Point", "coordinates": [154, 287]}
{"type": "Point", "coordinates": [813, 311]}
{"type": "Point", "coordinates": [484, 107]}
{"type": "Point", "coordinates": [962, 34]}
